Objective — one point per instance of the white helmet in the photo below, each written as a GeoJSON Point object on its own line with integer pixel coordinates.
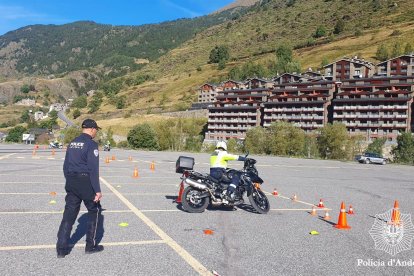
{"type": "Point", "coordinates": [221, 144]}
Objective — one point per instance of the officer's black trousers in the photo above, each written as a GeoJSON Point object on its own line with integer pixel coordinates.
{"type": "Point", "coordinates": [78, 188]}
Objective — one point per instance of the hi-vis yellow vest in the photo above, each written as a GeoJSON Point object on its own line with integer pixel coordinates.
{"type": "Point", "coordinates": [219, 159]}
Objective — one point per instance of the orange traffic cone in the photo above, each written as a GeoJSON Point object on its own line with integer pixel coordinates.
{"type": "Point", "coordinates": [135, 175]}
{"type": "Point", "coordinates": [180, 193]}
{"type": "Point", "coordinates": [152, 166]}
{"type": "Point", "coordinates": [320, 205]}
{"type": "Point", "coordinates": [107, 160]}
{"type": "Point", "coordinates": [53, 151]}
{"type": "Point", "coordinates": [113, 157]}
{"type": "Point", "coordinates": [130, 158]}
{"type": "Point", "coordinates": [313, 213]}
{"type": "Point", "coordinates": [275, 193]}
{"type": "Point", "coordinates": [351, 210]}
{"type": "Point", "coordinates": [342, 224]}
{"type": "Point", "coordinates": [295, 197]}
{"type": "Point", "coordinates": [327, 216]}
{"type": "Point", "coordinates": [396, 218]}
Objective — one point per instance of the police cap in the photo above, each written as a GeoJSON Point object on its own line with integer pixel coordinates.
{"type": "Point", "coordinates": [89, 123]}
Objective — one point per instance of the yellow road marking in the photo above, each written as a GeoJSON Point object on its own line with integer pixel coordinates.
{"type": "Point", "coordinates": [196, 265]}
{"type": "Point", "coordinates": [7, 156]}
{"type": "Point", "coordinates": [52, 246]}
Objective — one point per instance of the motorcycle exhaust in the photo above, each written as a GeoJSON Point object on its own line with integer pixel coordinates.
{"type": "Point", "coordinates": [195, 184]}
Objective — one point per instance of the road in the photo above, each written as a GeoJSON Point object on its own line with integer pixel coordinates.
{"type": "Point", "coordinates": [161, 239]}
{"type": "Point", "coordinates": [62, 116]}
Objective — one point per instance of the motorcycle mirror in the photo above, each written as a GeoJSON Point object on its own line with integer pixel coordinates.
{"type": "Point", "coordinates": [247, 153]}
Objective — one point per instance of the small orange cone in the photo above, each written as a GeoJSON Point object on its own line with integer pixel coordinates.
{"type": "Point", "coordinates": [52, 193]}
{"type": "Point", "coordinates": [342, 224]}
{"type": "Point", "coordinates": [313, 213]}
{"type": "Point", "coordinates": [351, 210]}
{"type": "Point", "coordinates": [107, 160]}
{"type": "Point", "coordinates": [152, 166]}
{"type": "Point", "coordinates": [180, 193]}
{"type": "Point", "coordinates": [53, 151]}
{"type": "Point", "coordinates": [130, 158]}
{"type": "Point", "coordinates": [275, 193]}
{"type": "Point", "coordinates": [396, 218]}
{"type": "Point", "coordinates": [320, 205]}
{"type": "Point", "coordinates": [136, 175]}
{"type": "Point", "coordinates": [327, 216]}
{"type": "Point", "coordinates": [208, 232]}
{"type": "Point", "coordinates": [295, 197]}
{"type": "Point", "coordinates": [113, 157]}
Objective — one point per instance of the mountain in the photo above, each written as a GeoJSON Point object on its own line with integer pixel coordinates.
{"type": "Point", "coordinates": [239, 3]}
{"type": "Point", "coordinates": [55, 49]}
{"type": "Point", "coordinates": [317, 30]}
{"type": "Point", "coordinates": [349, 28]}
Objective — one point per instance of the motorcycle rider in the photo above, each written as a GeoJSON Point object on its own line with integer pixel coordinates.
{"type": "Point", "coordinates": [218, 165]}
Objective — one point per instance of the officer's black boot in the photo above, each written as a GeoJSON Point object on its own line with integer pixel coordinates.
{"type": "Point", "coordinates": [62, 246]}
{"type": "Point", "coordinates": [91, 246]}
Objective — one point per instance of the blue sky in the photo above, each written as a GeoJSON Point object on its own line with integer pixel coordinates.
{"type": "Point", "coordinates": [19, 13]}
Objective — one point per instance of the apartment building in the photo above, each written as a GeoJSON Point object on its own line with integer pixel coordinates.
{"type": "Point", "coordinates": [375, 107]}
{"type": "Point", "coordinates": [349, 68]}
{"type": "Point", "coordinates": [304, 104]}
{"type": "Point", "coordinates": [207, 93]}
{"type": "Point", "coordinates": [235, 112]}
{"type": "Point", "coordinates": [398, 66]}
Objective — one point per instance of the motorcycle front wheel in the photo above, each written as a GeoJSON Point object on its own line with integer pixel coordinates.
{"type": "Point", "coordinates": [259, 201]}
{"type": "Point", "coordinates": [192, 202]}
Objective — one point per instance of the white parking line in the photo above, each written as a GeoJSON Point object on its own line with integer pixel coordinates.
{"type": "Point", "coordinates": [195, 264]}
{"type": "Point", "coordinates": [7, 156]}
{"type": "Point", "coordinates": [57, 212]}
{"type": "Point", "coordinates": [52, 246]}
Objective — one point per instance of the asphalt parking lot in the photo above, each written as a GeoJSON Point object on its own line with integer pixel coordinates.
{"type": "Point", "coordinates": [145, 233]}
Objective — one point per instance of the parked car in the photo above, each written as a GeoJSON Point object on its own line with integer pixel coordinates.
{"type": "Point", "coordinates": [370, 157]}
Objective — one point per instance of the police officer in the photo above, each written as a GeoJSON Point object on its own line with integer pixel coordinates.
{"type": "Point", "coordinates": [81, 170]}
{"type": "Point", "coordinates": [218, 165]}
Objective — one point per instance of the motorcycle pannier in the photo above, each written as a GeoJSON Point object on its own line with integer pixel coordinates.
{"type": "Point", "coordinates": [184, 163]}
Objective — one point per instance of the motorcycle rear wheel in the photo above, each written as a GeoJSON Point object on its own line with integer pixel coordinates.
{"type": "Point", "coordinates": [191, 201]}
{"type": "Point", "coordinates": [259, 201]}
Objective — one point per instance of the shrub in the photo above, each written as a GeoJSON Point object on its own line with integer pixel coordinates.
{"type": "Point", "coordinates": [404, 151]}
{"type": "Point", "coordinates": [71, 133]}
{"type": "Point", "coordinates": [376, 146]}
{"type": "Point", "coordinates": [16, 134]}
{"type": "Point", "coordinates": [76, 113]}
{"type": "Point", "coordinates": [80, 102]}
{"type": "Point", "coordinates": [25, 88]}
{"type": "Point", "coordinates": [332, 141]}
{"type": "Point", "coordinates": [143, 137]}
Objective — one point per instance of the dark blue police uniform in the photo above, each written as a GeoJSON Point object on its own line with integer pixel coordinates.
{"type": "Point", "coordinates": [81, 170]}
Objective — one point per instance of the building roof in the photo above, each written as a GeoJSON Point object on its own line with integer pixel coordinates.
{"type": "Point", "coordinates": [353, 60]}
{"type": "Point", "coordinates": [38, 131]}
{"type": "Point", "coordinates": [410, 56]}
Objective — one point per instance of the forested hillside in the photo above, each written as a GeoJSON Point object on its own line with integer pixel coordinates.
{"type": "Point", "coordinates": [53, 49]}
